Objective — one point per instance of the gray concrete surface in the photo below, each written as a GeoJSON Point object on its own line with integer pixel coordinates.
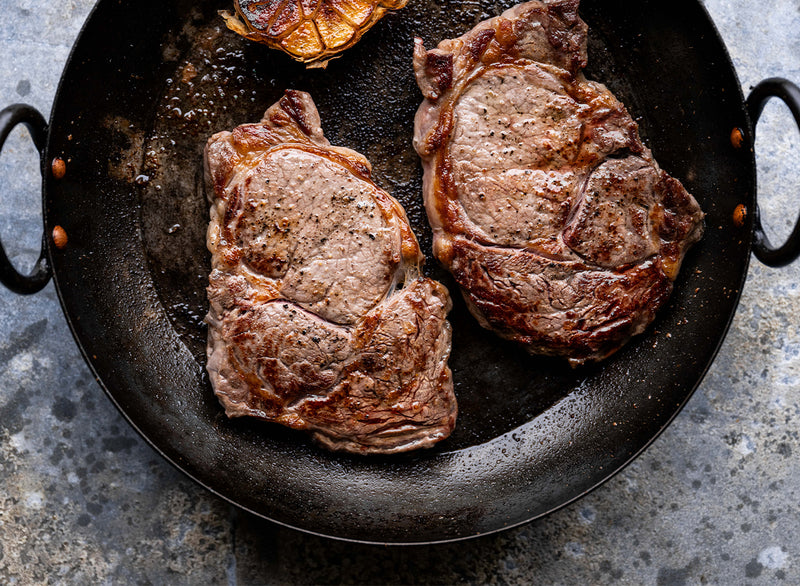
{"type": "Point", "coordinates": [83, 500]}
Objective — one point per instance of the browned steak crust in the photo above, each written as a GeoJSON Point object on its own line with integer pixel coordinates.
{"type": "Point", "coordinates": [557, 223]}
{"type": "Point", "coordinates": [319, 318]}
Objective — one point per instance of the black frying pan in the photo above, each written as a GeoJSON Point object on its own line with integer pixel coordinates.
{"type": "Point", "coordinates": [130, 120]}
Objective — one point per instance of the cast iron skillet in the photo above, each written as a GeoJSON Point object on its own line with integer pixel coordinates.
{"type": "Point", "coordinates": [149, 81]}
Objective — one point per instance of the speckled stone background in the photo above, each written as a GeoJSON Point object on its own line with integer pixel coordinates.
{"type": "Point", "coordinates": [716, 499]}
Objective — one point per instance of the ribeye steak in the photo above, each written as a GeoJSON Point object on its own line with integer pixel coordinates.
{"type": "Point", "coordinates": [555, 220]}
{"type": "Point", "coordinates": [319, 318]}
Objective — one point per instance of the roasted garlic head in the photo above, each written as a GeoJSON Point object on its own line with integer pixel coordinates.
{"type": "Point", "coordinates": [311, 31]}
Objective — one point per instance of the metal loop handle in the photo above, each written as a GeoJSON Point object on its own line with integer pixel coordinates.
{"type": "Point", "coordinates": [789, 93]}
{"type": "Point", "coordinates": [41, 273]}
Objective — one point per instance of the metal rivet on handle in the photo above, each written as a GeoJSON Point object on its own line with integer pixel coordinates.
{"type": "Point", "coordinates": [737, 138]}
{"type": "Point", "coordinates": [58, 168]}
{"type": "Point", "coordinates": [739, 215]}
{"type": "Point", "coordinates": [59, 237]}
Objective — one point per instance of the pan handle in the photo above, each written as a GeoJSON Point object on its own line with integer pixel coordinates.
{"type": "Point", "coordinates": [789, 93]}
{"type": "Point", "coordinates": [41, 273]}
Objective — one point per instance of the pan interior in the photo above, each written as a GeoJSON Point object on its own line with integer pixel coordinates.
{"type": "Point", "coordinates": [532, 433]}
{"type": "Point", "coordinates": [367, 102]}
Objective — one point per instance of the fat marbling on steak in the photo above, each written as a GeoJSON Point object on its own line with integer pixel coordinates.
{"type": "Point", "coordinates": [319, 318]}
{"type": "Point", "coordinates": [555, 220]}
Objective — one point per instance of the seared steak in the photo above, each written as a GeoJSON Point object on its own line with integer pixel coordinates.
{"type": "Point", "coordinates": [555, 220]}
{"type": "Point", "coordinates": [319, 318]}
